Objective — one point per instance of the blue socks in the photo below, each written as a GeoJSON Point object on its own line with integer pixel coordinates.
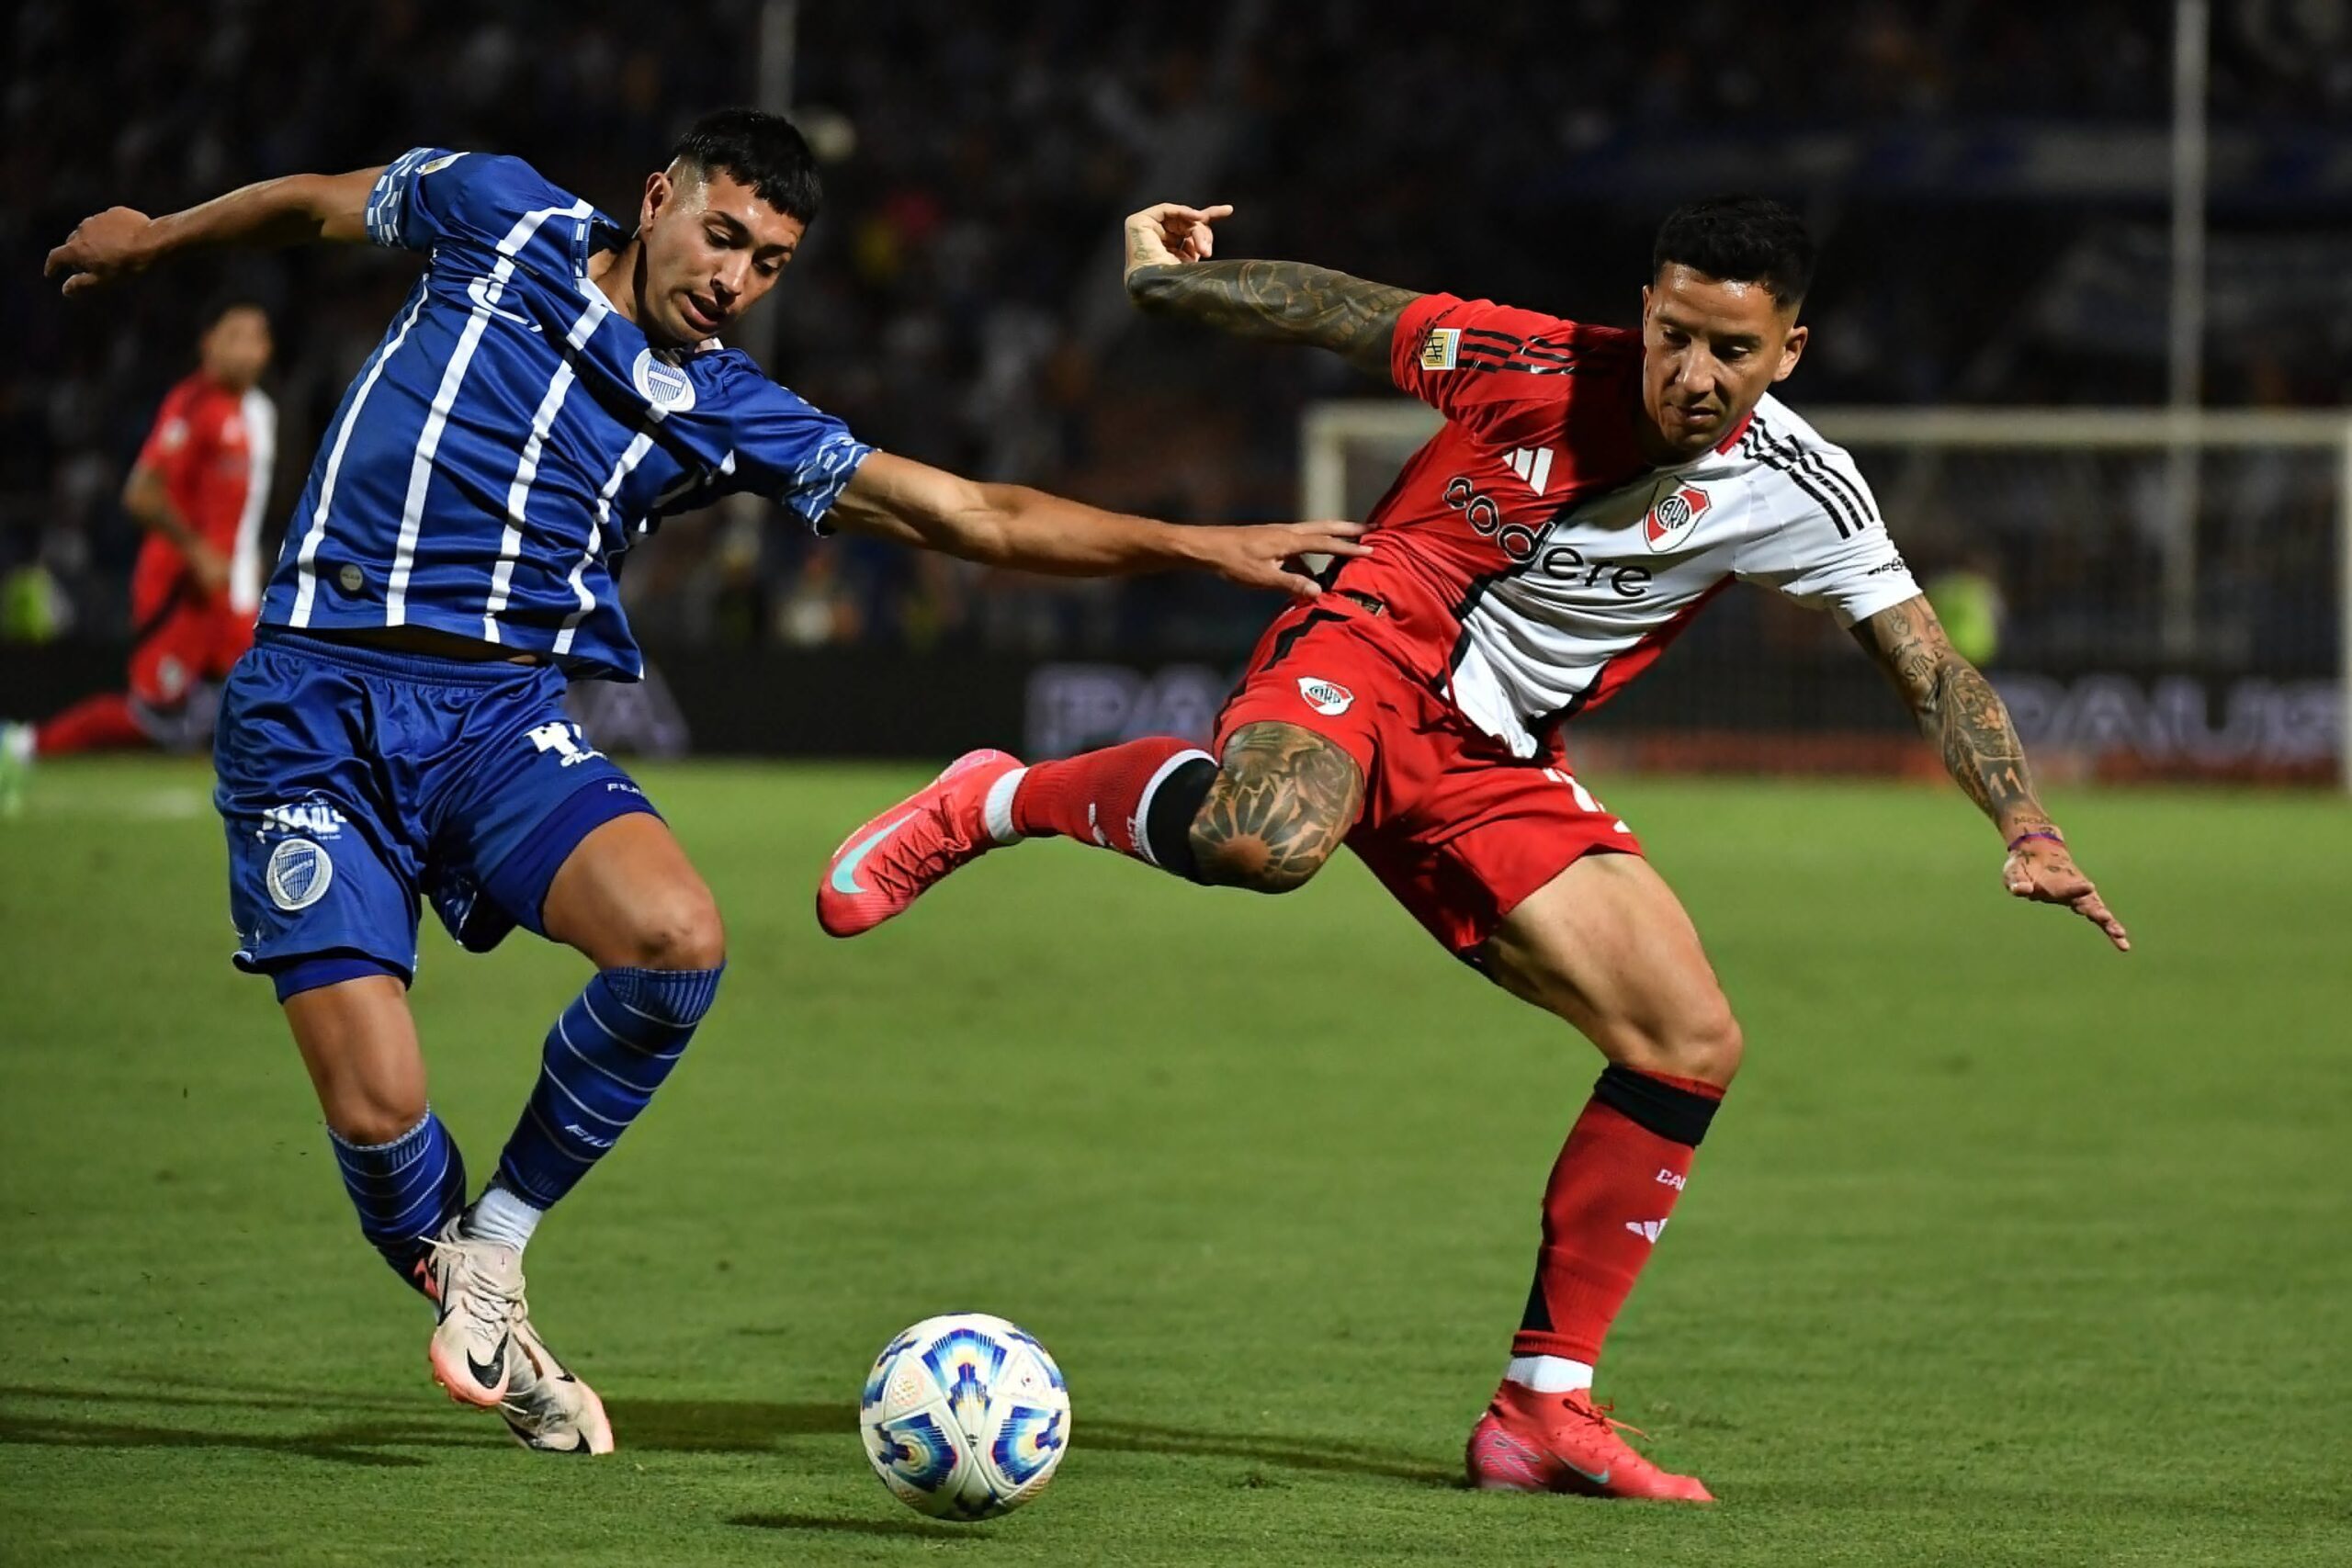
{"type": "Point", "coordinates": [606, 1055]}
{"type": "Point", "coordinates": [405, 1190]}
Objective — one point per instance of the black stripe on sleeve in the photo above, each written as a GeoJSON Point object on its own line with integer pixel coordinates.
{"type": "Point", "coordinates": [1790, 462]}
{"type": "Point", "coordinates": [1816, 463]}
{"type": "Point", "coordinates": [1796, 477]}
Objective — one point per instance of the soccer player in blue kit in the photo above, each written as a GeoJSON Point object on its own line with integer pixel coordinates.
{"type": "Point", "coordinates": [551, 388]}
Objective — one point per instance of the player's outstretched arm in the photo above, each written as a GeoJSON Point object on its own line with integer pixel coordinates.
{"type": "Point", "coordinates": [1012, 525]}
{"type": "Point", "coordinates": [1958, 710]}
{"type": "Point", "coordinates": [289, 210]}
{"type": "Point", "coordinates": [1168, 273]}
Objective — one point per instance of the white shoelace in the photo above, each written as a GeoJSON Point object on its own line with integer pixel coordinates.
{"type": "Point", "coordinates": [490, 1305]}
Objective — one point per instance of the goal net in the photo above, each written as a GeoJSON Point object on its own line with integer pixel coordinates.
{"type": "Point", "coordinates": [2155, 595]}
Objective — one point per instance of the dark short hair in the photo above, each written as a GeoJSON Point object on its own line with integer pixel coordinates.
{"type": "Point", "coordinates": [765, 151]}
{"type": "Point", "coordinates": [1741, 239]}
{"type": "Point", "coordinates": [218, 305]}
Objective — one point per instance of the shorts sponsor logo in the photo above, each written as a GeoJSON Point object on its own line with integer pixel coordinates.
{"type": "Point", "coordinates": [1441, 348]}
{"type": "Point", "coordinates": [299, 874]}
{"type": "Point", "coordinates": [437, 164]}
{"type": "Point", "coordinates": [565, 740]}
{"type": "Point", "coordinates": [310, 818]}
{"type": "Point", "coordinates": [1672, 519]}
{"type": "Point", "coordinates": [1326, 697]}
{"type": "Point", "coordinates": [663, 384]}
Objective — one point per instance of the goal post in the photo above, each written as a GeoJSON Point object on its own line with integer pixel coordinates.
{"type": "Point", "coordinates": [2157, 593]}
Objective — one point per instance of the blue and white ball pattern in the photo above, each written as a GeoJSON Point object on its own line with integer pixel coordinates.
{"type": "Point", "coordinates": [965, 1416]}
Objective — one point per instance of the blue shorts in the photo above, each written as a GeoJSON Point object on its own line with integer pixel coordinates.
{"type": "Point", "coordinates": [354, 782]}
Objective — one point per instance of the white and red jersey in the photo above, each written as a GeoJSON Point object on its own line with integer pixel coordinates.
{"type": "Point", "coordinates": [213, 446]}
{"type": "Point", "coordinates": [1532, 561]}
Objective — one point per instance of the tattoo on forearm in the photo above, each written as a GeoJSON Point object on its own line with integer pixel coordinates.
{"type": "Point", "coordinates": [1283, 800]}
{"type": "Point", "coordinates": [1957, 708]}
{"type": "Point", "coordinates": [1979, 745]}
{"type": "Point", "coordinates": [1279, 301]}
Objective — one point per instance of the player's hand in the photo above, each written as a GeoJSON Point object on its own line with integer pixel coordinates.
{"type": "Point", "coordinates": [1169, 232]}
{"type": "Point", "coordinates": [2045, 873]}
{"type": "Point", "coordinates": [1263, 555]}
{"type": "Point", "coordinates": [207, 568]}
{"type": "Point", "coordinates": [102, 247]}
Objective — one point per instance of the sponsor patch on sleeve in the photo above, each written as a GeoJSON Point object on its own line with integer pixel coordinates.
{"type": "Point", "coordinates": [1440, 347]}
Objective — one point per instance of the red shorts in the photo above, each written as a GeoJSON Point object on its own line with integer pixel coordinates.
{"type": "Point", "coordinates": [181, 638]}
{"type": "Point", "coordinates": [1457, 829]}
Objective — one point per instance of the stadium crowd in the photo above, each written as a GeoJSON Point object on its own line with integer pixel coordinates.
{"type": "Point", "coordinates": [958, 298]}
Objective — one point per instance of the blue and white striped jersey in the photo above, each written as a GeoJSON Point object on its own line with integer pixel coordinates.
{"type": "Point", "coordinates": [512, 433]}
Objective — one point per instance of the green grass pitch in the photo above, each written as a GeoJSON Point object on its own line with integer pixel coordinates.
{"type": "Point", "coordinates": [2005, 1250]}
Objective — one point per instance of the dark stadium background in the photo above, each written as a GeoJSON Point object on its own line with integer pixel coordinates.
{"type": "Point", "coordinates": [1990, 182]}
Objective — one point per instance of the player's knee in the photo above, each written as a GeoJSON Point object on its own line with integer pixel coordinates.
{"type": "Point", "coordinates": [363, 1115]}
{"type": "Point", "coordinates": [1282, 802]}
{"type": "Point", "coordinates": [1705, 1045]}
{"type": "Point", "coordinates": [1255, 865]}
{"type": "Point", "coordinates": [678, 929]}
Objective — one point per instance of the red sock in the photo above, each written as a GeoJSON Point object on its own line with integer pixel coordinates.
{"type": "Point", "coordinates": [1103, 798]}
{"type": "Point", "coordinates": [1608, 1201]}
{"type": "Point", "coordinates": [94, 724]}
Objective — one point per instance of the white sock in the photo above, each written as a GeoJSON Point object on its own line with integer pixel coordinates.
{"type": "Point", "coordinates": [500, 1215]}
{"type": "Point", "coordinates": [997, 810]}
{"type": "Point", "coordinates": [1548, 1374]}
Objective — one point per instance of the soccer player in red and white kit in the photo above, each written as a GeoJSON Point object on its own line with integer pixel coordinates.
{"type": "Point", "coordinates": [1590, 488]}
{"type": "Point", "coordinates": [198, 489]}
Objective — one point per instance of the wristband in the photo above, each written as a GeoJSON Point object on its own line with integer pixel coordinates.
{"type": "Point", "coordinates": [2049, 834]}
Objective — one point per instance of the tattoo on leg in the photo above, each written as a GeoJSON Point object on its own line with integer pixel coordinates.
{"type": "Point", "coordinates": [1283, 800]}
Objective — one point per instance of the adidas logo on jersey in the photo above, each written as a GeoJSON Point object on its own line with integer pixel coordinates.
{"type": "Point", "coordinates": [1533, 464]}
{"type": "Point", "coordinates": [1648, 1230]}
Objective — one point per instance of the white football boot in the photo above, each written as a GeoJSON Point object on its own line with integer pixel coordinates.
{"type": "Point", "coordinates": [477, 1288]}
{"type": "Point", "coordinates": [546, 1408]}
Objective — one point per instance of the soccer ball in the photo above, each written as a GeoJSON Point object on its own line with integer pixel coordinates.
{"type": "Point", "coordinates": [965, 1416]}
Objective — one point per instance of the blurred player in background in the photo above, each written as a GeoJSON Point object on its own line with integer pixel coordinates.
{"type": "Point", "coordinates": [1591, 490]}
{"type": "Point", "coordinates": [551, 390]}
{"type": "Point", "coordinates": [198, 489]}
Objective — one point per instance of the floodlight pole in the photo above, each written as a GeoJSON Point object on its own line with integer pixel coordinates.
{"type": "Point", "coordinates": [2192, 43]}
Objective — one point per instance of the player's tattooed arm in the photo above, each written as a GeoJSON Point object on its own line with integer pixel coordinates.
{"type": "Point", "coordinates": [1168, 273]}
{"type": "Point", "coordinates": [292, 209]}
{"type": "Point", "coordinates": [1279, 301]}
{"type": "Point", "coordinates": [1958, 710]}
{"type": "Point", "coordinates": [1284, 799]}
